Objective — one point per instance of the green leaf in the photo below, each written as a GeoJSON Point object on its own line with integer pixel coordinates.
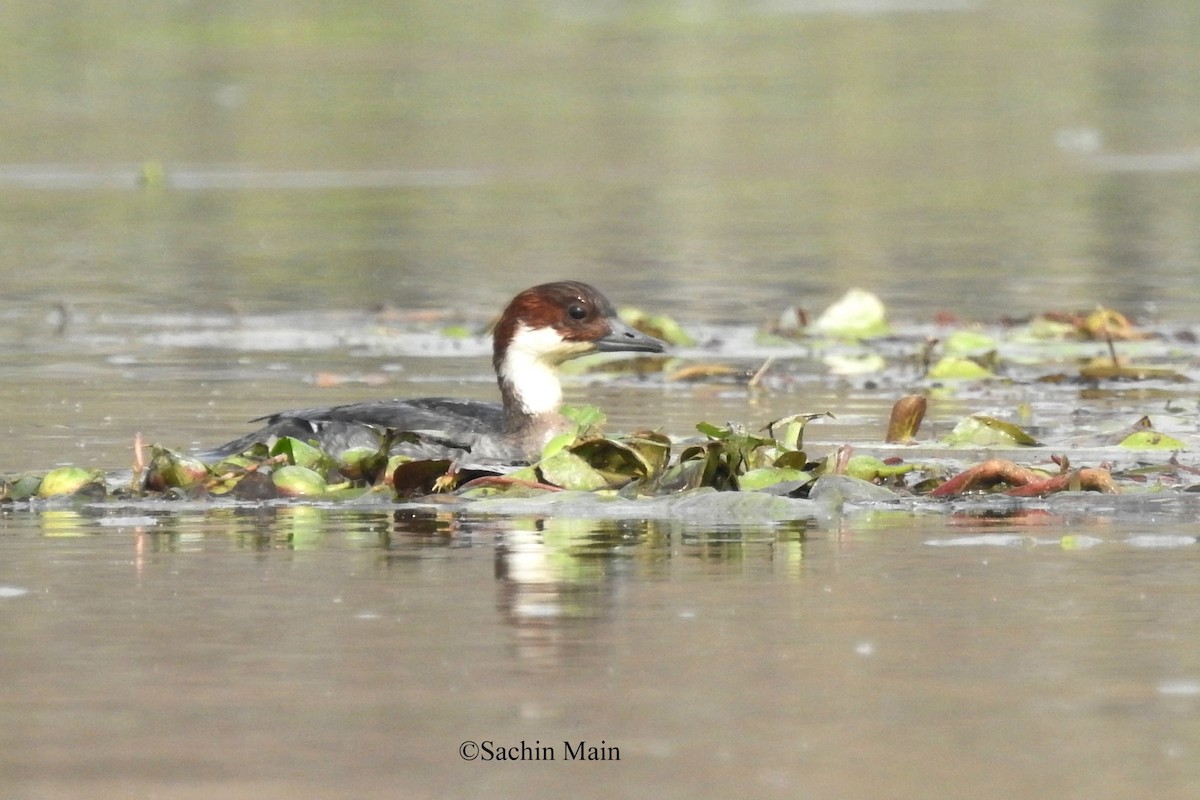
{"type": "Point", "coordinates": [792, 435]}
{"type": "Point", "coordinates": [714, 431]}
{"type": "Point", "coordinates": [300, 454]}
{"type": "Point", "coordinates": [756, 479]}
{"type": "Point", "coordinates": [660, 326]}
{"type": "Point", "coordinates": [1042, 329]}
{"type": "Point", "coordinates": [958, 368]}
{"type": "Point", "coordinates": [616, 460]}
{"type": "Point", "coordinates": [558, 444]}
{"type": "Point", "coordinates": [170, 470]}
{"type": "Point", "coordinates": [362, 463]}
{"type": "Point", "coordinates": [457, 332]}
{"type": "Point", "coordinates": [570, 471]}
{"type": "Point", "coordinates": [792, 459]}
{"type": "Point", "coordinates": [870, 468]}
{"type": "Point", "coordinates": [1151, 440]}
{"type": "Point", "coordinates": [653, 447]}
{"type": "Point", "coordinates": [233, 463]}
{"type": "Point", "coordinates": [21, 487]}
{"type": "Point", "coordinates": [583, 417]}
{"type": "Point", "coordinates": [706, 467]}
{"type": "Point", "coordinates": [981, 431]}
{"type": "Point", "coordinates": [690, 473]}
{"type": "Point", "coordinates": [859, 314]}
{"type": "Point", "coordinates": [968, 342]}
{"type": "Point", "coordinates": [294, 481]}
{"type": "Point", "coordinates": [65, 481]}
{"type": "Point", "coordinates": [859, 364]}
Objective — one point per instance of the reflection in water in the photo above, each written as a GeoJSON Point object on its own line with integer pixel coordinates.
{"type": "Point", "coordinates": [555, 584]}
{"type": "Point", "coordinates": [63, 523]}
{"type": "Point", "coordinates": [251, 527]}
{"type": "Point", "coordinates": [559, 578]}
{"type": "Point", "coordinates": [779, 549]}
{"type": "Point", "coordinates": [415, 528]}
{"type": "Point", "coordinates": [292, 641]}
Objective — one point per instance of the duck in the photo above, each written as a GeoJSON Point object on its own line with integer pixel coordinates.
{"type": "Point", "coordinates": [540, 328]}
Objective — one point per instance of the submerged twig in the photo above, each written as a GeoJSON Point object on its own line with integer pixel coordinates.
{"type": "Point", "coordinates": [1112, 348]}
{"type": "Point", "coordinates": [754, 380]}
{"type": "Point", "coordinates": [139, 463]}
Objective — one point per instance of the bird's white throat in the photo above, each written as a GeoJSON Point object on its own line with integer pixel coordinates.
{"type": "Point", "coordinates": [529, 365]}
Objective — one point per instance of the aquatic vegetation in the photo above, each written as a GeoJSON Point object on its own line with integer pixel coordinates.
{"type": "Point", "coordinates": [645, 464]}
{"type": "Point", "coordinates": [986, 454]}
{"type": "Point", "coordinates": [859, 314]}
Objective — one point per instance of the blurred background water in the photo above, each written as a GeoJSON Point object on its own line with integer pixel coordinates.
{"type": "Point", "coordinates": [205, 203]}
{"type": "Point", "coordinates": [986, 157]}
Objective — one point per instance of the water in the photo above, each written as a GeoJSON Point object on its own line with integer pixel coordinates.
{"type": "Point", "coordinates": [353, 652]}
{"type": "Point", "coordinates": [210, 213]}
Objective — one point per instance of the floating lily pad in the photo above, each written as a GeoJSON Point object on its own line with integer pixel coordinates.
{"type": "Point", "coordinates": [858, 314]}
{"type": "Point", "coordinates": [860, 364]}
{"type": "Point", "coordinates": [757, 479]}
{"type": "Point", "coordinates": [1151, 440]}
{"type": "Point", "coordinates": [870, 468]}
{"type": "Point", "coordinates": [653, 447]}
{"type": "Point", "coordinates": [20, 487]}
{"type": "Point", "coordinates": [571, 471]}
{"type": "Point", "coordinates": [660, 326]}
{"type": "Point", "coordinates": [171, 470]}
{"type": "Point", "coordinates": [457, 332]}
{"type": "Point", "coordinates": [981, 431]}
{"type": "Point", "coordinates": [968, 342]}
{"type": "Point", "coordinates": [300, 454]}
{"type": "Point", "coordinates": [362, 463]}
{"type": "Point", "coordinates": [959, 368]}
{"type": "Point", "coordinates": [68, 481]}
{"type": "Point", "coordinates": [1045, 329]}
{"type": "Point", "coordinates": [559, 443]}
{"type": "Point", "coordinates": [614, 458]}
{"type": "Point", "coordinates": [294, 481]}
{"type": "Point", "coordinates": [1106, 370]}
{"type": "Point", "coordinates": [1108, 324]}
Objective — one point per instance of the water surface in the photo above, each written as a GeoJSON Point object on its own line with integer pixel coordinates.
{"type": "Point", "coordinates": [298, 650]}
{"type": "Point", "coordinates": [207, 210]}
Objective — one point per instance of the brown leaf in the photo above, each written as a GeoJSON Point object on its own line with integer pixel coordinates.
{"type": "Point", "coordinates": [907, 414]}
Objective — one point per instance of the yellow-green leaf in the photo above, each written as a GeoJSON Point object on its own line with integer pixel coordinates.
{"type": "Point", "coordinates": [981, 431]}
{"type": "Point", "coordinates": [1151, 440]}
{"type": "Point", "coordinates": [858, 314]}
{"type": "Point", "coordinates": [570, 471]}
{"type": "Point", "coordinates": [763, 477]}
{"type": "Point", "coordinates": [958, 368]}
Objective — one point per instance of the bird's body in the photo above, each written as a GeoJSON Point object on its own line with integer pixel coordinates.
{"type": "Point", "coordinates": [541, 327]}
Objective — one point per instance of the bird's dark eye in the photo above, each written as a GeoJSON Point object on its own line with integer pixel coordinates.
{"type": "Point", "coordinates": [577, 311]}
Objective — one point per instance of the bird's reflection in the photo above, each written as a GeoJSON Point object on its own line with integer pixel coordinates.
{"type": "Point", "coordinates": [556, 579]}
{"type": "Point", "coordinates": [559, 580]}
